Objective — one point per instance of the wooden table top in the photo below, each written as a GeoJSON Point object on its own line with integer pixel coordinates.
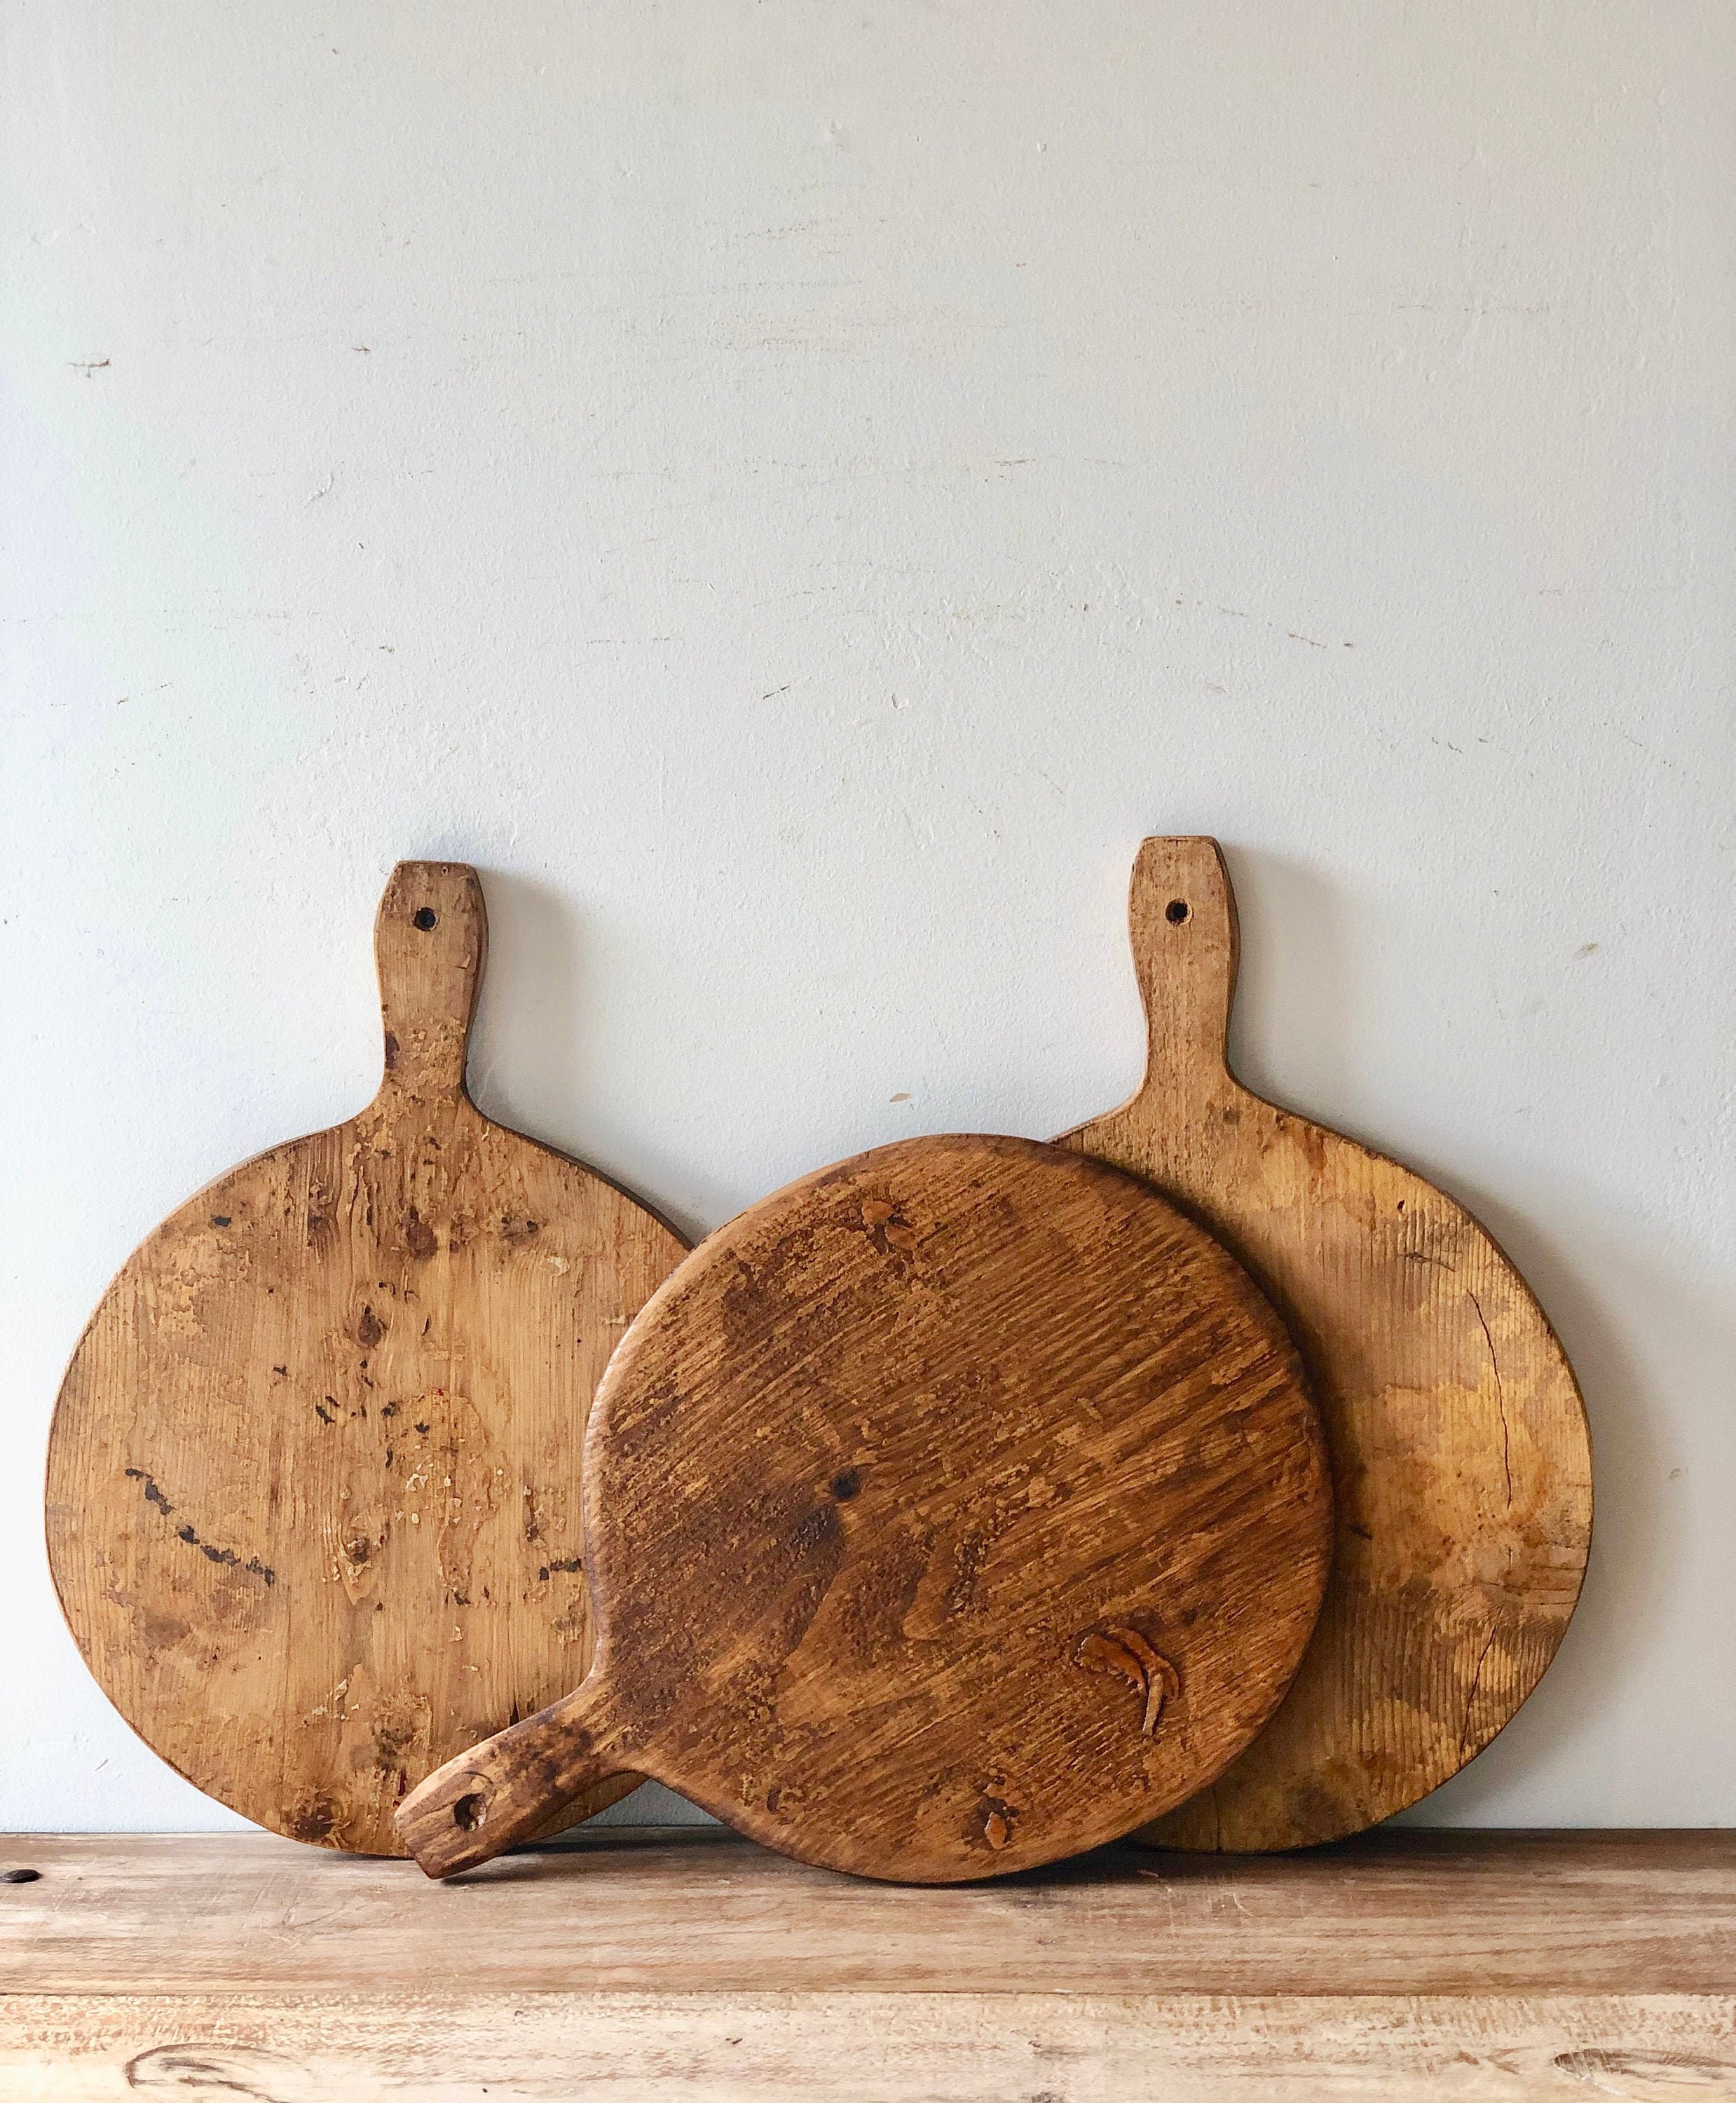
{"type": "Point", "coordinates": [696, 1911]}
{"type": "Point", "coordinates": [693, 1967]}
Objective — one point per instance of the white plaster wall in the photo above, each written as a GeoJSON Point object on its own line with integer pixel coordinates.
{"type": "Point", "coordinates": [794, 492]}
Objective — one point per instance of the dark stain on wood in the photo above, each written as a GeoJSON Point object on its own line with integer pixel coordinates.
{"type": "Point", "coordinates": [153, 1495]}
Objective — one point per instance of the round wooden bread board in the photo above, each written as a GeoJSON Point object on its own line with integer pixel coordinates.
{"type": "Point", "coordinates": [313, 1498]}
{"type": "Point", "coordinates": [956, 1509]}
{"type": "Point", "coordinates": [1461, 1460]}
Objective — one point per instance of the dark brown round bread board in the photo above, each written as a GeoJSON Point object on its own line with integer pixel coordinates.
{"type": "Point", "coordinates": [1461, 1461]}
{"type": "Point", "coordinates": [313, 1477]}
{"type": "Point", "coordinates": [957, 1507]}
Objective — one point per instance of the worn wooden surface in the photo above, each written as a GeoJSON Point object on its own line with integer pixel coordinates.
{"type": "Point", "coordinates": [869, 2048]}
{"type": "Point", "coordinates": [699, 1911]}
{"type": "Point", "coordinates": [1461, 1463]}
{"type": "Point", "coordinates": [313, 1487]}
{"type": "Point", "coordinates": [949, 1511]}
{"type": "Point", "coordinates": [1451, 1968]}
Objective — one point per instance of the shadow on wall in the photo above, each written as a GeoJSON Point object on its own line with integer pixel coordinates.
{"type": "Point", "coordinates": [1296, 986]}
{"type": "Point", "coordinates": [537, 1042]}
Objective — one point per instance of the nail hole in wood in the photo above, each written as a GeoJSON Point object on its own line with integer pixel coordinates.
{"type": "Point", "coordinates": [1175, 911]}
{"type": "Point", "coordinates": [426, 918]}
{"type": "Point", "coordinates": [469, 1812]}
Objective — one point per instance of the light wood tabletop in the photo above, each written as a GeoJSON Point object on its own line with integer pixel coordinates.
{"type": "Point", "coordinates": [695, 1965]}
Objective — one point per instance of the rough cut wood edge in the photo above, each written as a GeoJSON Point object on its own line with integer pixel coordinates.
{"type": "Point", "coordinates": [865, 2048]}
{"type": "Point", "coordinates": [1461, 1456]}
{"type": "Point", "coordinates": [1396, 1913]}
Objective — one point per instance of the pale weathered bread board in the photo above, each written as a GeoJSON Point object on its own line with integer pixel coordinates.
{"type": "Point", "coordinates": [313, 1477]}
{"type": "Point", "coordinates": [1461, 1462]}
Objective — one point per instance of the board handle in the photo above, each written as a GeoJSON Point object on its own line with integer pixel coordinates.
{"type": "Point", "coordinates": [430, 942]}
{"type": "Point", "coordinates": [1181, 916]}
{"type": "Point", "coordinates": [508, 1788]}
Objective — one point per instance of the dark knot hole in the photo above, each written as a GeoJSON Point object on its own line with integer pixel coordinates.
{"type": "Point", "coordinates": [469, 1812]}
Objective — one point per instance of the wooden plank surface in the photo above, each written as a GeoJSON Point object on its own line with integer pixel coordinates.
{"type": "Point", "coordinates": [905, 2048]}
{"type": "Point", "coordinates": [1399, 1913]}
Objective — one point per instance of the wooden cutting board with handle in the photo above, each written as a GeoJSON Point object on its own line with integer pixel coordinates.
{"type": "Point", "coordinates": [953, 1509]}
{"type": "Point", "coordinates": [313, 1477]}
{"type": "Point", "coordinates": [1461, 1461]}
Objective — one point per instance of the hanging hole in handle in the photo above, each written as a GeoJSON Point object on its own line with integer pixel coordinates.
{"type": "Point", "coordinates": [470, 1812]}
{"type": "Point", "coordinates": [426, 918]}
{"type": "Point", "coordinates": [1175, 911]}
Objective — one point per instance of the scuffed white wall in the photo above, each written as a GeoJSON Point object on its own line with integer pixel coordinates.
{"type": "Point", "coordinates": [794, 492]}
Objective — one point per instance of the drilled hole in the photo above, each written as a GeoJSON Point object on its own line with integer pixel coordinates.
{"type": "Point", "coordinates": [1175, 911]}
{"type": "Point", "coordinates": [426, 918]}
{"type": "Point", "coordinates": [469, 1812]}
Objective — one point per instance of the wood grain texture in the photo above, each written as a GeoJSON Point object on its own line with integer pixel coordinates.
{"type": "Point", "coordinates": [1461, 1462]}
{"type": "Point", "coordinates": [312, 1484]}
{"type": "Point", "coordinates": [850, 2047]}
{"type": "Point", "coordinates": [1456, 1967]}
{"type": "Point", "coordinates": [1397, 1912]}
{"type": "Point", "coordinates": [949, 1511]}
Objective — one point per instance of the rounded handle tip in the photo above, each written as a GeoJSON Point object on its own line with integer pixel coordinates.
{"type": "Point", "coordinates": [1182, 919]}
{"type": "Point", "coordinates": [507, 1789]}
{"type": "Point", "coordinates": [430, 941]}
{"type": "Point", "coordinates": [444, 1821]}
